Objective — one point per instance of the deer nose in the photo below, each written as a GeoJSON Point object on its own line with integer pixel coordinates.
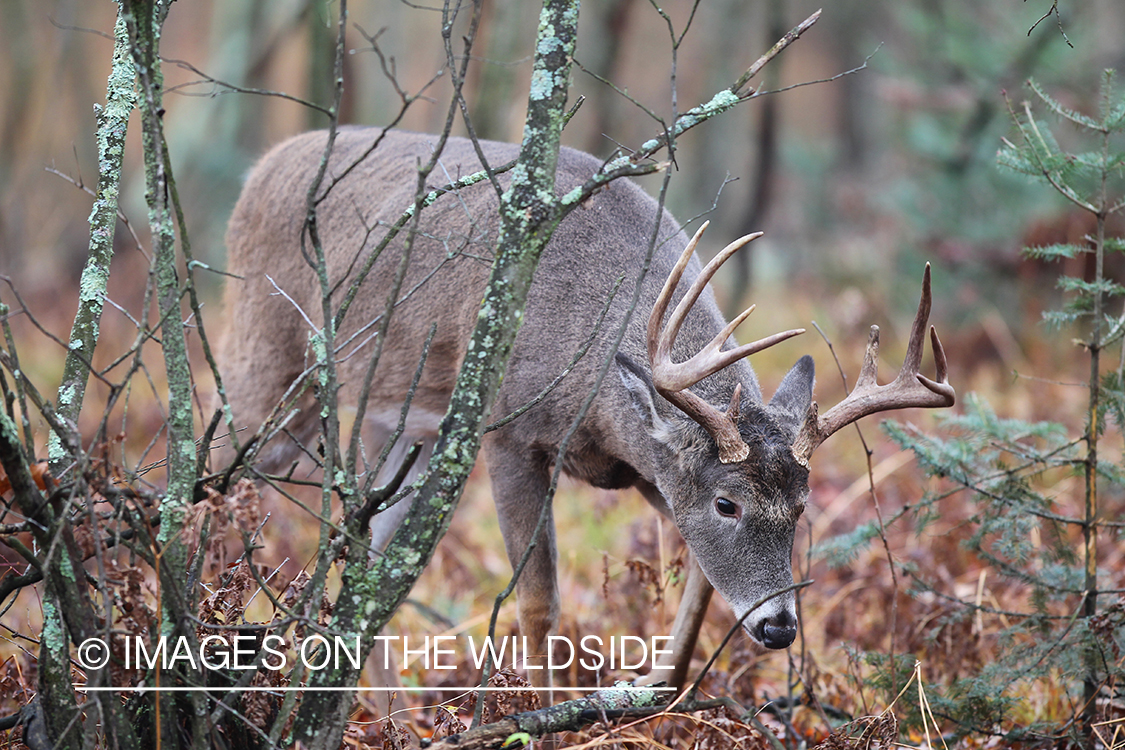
{"type": "Point", "coordinates": [778, 631]}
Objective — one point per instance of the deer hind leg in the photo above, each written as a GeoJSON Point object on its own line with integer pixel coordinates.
{"type": "Point", "coordinates": [519, 490]}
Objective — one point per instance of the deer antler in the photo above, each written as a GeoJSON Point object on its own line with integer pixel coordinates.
{"type": "Point", "coordinates": [909, 389]}
{"type": "Point", "coordinates": [672, 379]}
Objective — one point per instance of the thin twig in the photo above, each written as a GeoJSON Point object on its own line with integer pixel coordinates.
{"type": "Point", "coordinates": [878, 515]}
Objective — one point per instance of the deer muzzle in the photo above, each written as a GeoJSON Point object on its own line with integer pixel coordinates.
{"type": "Point", "coordinates": [776, 631]}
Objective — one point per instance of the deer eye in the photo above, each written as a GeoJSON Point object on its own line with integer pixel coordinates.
{"type": "Point", "coordinates": [726, 507]}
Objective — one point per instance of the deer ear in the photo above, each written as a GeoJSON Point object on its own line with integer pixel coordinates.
{"type": "Point", "coordinates": [791, 402]}
{"type": "Point", "coordinates": [638, 383]}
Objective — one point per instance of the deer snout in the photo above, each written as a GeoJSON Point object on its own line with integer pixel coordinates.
{"type": "Point", "coordinates": [777, 630]}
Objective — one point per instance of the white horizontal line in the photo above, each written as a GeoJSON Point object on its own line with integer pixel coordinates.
{"type": "Point", "coordinates": [288, 689]}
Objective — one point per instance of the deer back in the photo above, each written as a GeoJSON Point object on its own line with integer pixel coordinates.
{"type": "Point", "coordinates": [605, 238]}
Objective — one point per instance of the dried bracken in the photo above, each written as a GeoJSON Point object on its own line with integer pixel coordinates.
{"type": "Point", "coordinates": [867, 733]}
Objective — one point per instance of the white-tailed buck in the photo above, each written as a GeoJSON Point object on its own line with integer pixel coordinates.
{"type": "Point", "coordinates": [682, 418]}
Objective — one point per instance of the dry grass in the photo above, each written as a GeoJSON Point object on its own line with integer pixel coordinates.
{"type": "Point", "coordinates": [619, 574]}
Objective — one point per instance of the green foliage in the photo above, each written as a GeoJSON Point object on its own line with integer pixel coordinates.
{"type": "Point", "coordinates": [1113, 399]}
{"type": "Point", "coordinates": [958, 54]}
{"type": "Point", "coordinates": [519, 739]}
{"type": "Point", "coordinates": [1053, 252]}
{"type": "Point", "coordinates": [975, 701]}
{"type": "Point", "coordinates": [841, 550]}
{"type": "Point", "coordinates": [1031, 525]}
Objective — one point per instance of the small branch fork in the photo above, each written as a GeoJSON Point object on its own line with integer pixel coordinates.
{"type": "Point", "coordinates": [632, 166]}
{"type": "Point", "coordinates": [1052, 11]}
{"type": "Point", "coordinates": [727, 98]}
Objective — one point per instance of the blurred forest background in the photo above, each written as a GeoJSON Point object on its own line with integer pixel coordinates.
{"type": "Point", "coordinates": [856, 182]}
{"type": "Point", "coordinates": [873, 172]}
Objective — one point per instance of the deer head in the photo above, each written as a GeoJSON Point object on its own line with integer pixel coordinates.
{"type": "Point", "coordinates": [737, 478]}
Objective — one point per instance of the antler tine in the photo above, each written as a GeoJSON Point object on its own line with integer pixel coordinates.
{"type": "Point", "coordinates": [733, 355]}
{"type": "Point", "coordinates": [672, 379]}
{"type": "Point", "coordinates": [940, 363]}
{"type": "Point", "coordinates": [913, 360]}
{"type": "Point", "coordinates": [909, 389]}
{"type": "Point", "coordinates": [711, 358]}
{"type": "Point", "coordinates": [667, 337]}
{"type": "Point", "coordinates": [869, 372]}
{"type": "Point", "coordinates": [655, 336]}
{"type": "Point", "coordinates": [697, 286]}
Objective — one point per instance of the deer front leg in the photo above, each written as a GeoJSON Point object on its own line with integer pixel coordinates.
{"type": "Point", "coordinates": [685, 630]}
{"type": "Point", "coordinates": [519, 489]}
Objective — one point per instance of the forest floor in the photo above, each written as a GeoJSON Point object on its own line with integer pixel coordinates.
{"type": "Point", "coordinates": [620, 569]}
